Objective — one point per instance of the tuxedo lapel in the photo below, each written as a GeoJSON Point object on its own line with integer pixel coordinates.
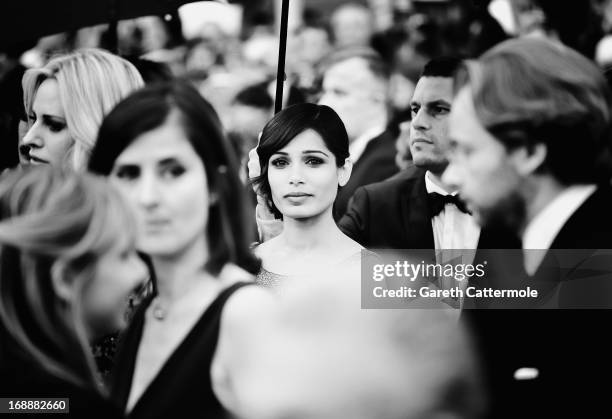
{"type": "Point", "coordinates": [417, 228]}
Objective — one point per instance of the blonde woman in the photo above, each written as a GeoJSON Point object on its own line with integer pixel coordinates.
{"type": "Point", "coordinates": [65, 102]}
{"type": "Point", "coordinates": [67, 266]}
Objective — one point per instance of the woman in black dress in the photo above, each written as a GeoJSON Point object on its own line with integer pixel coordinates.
{"type": "Point", "coordinates": [67, 266]}
{"type": "Point", "coordinates": [165, 149]}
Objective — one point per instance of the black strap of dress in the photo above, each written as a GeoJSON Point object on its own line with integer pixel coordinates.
{"type": "Point", "coordinates": [183, 386]}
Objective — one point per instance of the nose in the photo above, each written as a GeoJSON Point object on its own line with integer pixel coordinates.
{"type": "Point", "coordinates": [148, 191]}
{"type": "Point", "coordinates": [295, 175]}
{"type": "Point", "coordinates": [32, 139]}
{"type": "Point", "coordinates": [421, 121]}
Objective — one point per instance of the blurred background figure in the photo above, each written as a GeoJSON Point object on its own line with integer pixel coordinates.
{"type": "Point", "coordinates": [355, 85]}
{"type": "Point", "coordinates": [165, 149]}
{"type": "Point", "coordinates": [68, 264]}
{"type": "Point", "coordinates": [352, 26]}
{"type": "Point", "coordinates": [12, 115]}
{"type": "Point", "coordinates": [65, 102]}
{"type": "Point", "coordinates": [250, 111]}
{"type": "Point", "coordinates": [326, 358]}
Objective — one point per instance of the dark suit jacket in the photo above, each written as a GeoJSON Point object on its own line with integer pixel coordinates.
{"type": "Point", "coordinates": [571, 349]}
{"type": "Point", "coordinates": [394, 214]}
{"type": "Point", "coordinates": [375, 164]}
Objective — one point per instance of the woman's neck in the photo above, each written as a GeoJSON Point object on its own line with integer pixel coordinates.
{"type": "Point", "coordinates": [306, 233]}
{"type": "Point", "coordinates": [179, 273]}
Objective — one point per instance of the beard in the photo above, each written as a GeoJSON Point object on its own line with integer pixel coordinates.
{"type": "Point", "coordinates": [507, 214]}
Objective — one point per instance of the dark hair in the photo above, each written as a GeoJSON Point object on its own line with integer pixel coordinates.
{"type": "Point", "coordinates": [229, 225]}
{"type": "Point", "coordinates": [444, 66]}
{"type": "Point", "coordinates": [522, 102]}
{"type": "Point", "coordinates": [255, 95]}
{"type": "Point", "coordinates": [152, 71]}
{"type": "Point", "coordinates": [289, 123]}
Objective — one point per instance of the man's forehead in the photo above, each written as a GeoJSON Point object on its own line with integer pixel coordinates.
{"type": "Point", "coordinates": [433, 89]}
{"type": "Point", "coordinates": [351, 69]}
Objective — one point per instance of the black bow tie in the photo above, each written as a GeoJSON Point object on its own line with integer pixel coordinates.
{"type": "Point", "coordinates": [437, 203]}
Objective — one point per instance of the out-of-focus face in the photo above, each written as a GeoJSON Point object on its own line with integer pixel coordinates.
{"type": "Point", "coordinates": [304, 178]}
{"type": "Point", "coordinates": [350, 89]}
{"type": "Point", "coordinates": [485, 172]}
{"type": "Point", "coordinates": [314, 45]}
{"type": "Point", "coordinates": [352, 27]}
{"type": "Point", "coordinates": [164, 179]}
{"type": "Point", "coordinates": [48, 140]}
{"type": "Point", "coordinates": [118, 274]}
{"type": "Point", "coordinates": [430, 108]}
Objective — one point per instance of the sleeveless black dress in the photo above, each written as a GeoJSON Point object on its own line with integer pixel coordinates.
{"type": "Point", "coordinates": [183, 386]}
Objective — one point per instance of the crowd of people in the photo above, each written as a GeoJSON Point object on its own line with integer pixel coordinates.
{"type": "Point", "coordinates": [169, 247]}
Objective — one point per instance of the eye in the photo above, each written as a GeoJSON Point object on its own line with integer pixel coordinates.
{"type": "Point", "coordinates": [440, 110]}
{"type": "Point", "coordinates": [127, 172]}
{"type": "Point", "coordinates": [314, 161]}
{"type": "Point", "coordinates": [32, 117]}
{"type": "Point", "coordinates": [414, 110]}
{"type": "Point", "coordinates": [279, 163]}
{"type": "Point", "coordinates": [56, 126]}
{"type": "Point", "coordinates": [172, 171]}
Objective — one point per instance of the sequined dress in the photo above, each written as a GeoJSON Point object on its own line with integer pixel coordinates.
{"type": "Point", "coordinates": [275, 281]}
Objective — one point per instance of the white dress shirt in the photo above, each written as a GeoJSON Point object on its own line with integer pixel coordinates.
{"type": "Point", "coordinates": [452, 228]}
{"type": "Point", "coordinates": [544, 227]}
{"type": "Point", "coordinates": [358, 146]}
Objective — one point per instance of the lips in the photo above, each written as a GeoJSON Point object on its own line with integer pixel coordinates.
{"type": "Point", "coordinates": [422, 141]}
{"type": "Point", "coordinates": [297, 195]}
{"type": "Point", "coordinates": [35, 160]}
{"type": "Point", "coordinates": [157, 223]}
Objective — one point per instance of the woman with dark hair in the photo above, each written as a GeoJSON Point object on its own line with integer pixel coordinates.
{"type": "Point", "coordinates": [304, 159]}
{"type": "Point", "coordinates": [68, 264]}
{"type": "Point", "coordinates": [164, 147]}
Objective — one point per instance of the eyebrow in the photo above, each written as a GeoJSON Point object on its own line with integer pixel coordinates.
{"type": "Point", "coordinates": [283, 153]}
{"type": "Point", "coordinates": [438, 102]}
{"type": "Point", "coordinates": [164, 162]}
{"type": "Point", "coordinates": [49, 117]}
{"type": "Point", "coordinates": [169, 160]}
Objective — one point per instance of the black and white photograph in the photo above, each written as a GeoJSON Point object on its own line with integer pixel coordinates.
{"type": "Point", "coordinates": [305, 209]}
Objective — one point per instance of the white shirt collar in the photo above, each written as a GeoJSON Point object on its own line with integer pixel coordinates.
{"type": "Point", "coordinates": [545, 226]}
{"type": "Point", "coordinates": [358, 146]}
{"type": "Point", "coordinates": [431, 186]}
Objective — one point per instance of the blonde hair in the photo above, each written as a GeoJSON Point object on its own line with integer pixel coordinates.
{"type": "Point", "coordinates": [91, 82]}
{"type": "Point", "coordinates": [55, 225]}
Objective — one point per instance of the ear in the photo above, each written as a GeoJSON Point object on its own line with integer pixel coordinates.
{"type": "Point", "coordinates": [62, 288]}
{"type": "Point", "coordinates": [344, 172]}
{"type": "Point", "coordinates": [527, 161]}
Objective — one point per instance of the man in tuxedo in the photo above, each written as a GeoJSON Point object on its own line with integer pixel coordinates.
{"type": "Point", "coordinates": [416, 209]}
{"type": "Point", "coordinates": [355, 85]}
{"type": "Point", "coordinates": [530, 151]}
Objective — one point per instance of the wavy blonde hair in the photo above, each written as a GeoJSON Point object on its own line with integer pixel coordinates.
{"type": "Point", "coordinates": [91, 82]}
{"type": "Point", "coordinates": [55, 224]}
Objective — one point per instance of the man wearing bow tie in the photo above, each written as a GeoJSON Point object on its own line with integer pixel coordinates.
{"type": "Point", "coordinates": [416, 209]}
